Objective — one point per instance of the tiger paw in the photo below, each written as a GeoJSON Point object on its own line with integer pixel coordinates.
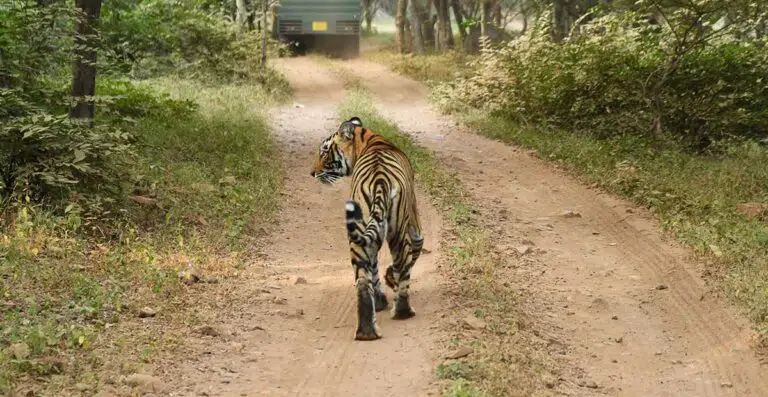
{"type": "Point", "coordinates": [367, 332]}
{"type": "Point", "coordinates": [380, 300]}
{"type": "Point", "coordinates": [402, 309]}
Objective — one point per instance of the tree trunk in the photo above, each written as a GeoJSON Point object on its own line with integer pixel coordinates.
{"type": "Point", "coordinates": [263, 66]}
{"type": "Point", "coordinates": [421, 13]}
{"type": "Point", "coordinates": [444, 25]}
{"type": "Point", "coordinates": [459, 16]}
{"type": "Point", "coordinates": [524, 14]}
{"type": "Point", "coordinates": [561, 24]}
{"type": "Point", "coordinates": [251, 19]}
{"type": "Point", "coordinates": [418, 32]}
{"type": "Point", "coordinates": [400, 22]}
{"type": "Point", "coordinates": [408, 36]}
{"type": "Point", "coordinates": [368, 23]}
{"type": "Point", "coordinates": [485, 17]}
{"type": "Point", "coordinates": [241, 16]}
{"type": "Point", "coordinates": [84, 64]}
{"type": "Point", "coordinates": [497, 13]}
{"type": "Point", "coordinates": [367, 14]}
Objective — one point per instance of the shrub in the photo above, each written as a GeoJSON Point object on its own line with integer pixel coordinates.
{"type": "Point", "coordinates": [154, 37]}
{"type": "Point", "coordinates": [602, 82]}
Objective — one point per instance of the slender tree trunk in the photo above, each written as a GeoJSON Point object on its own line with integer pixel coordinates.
{"type": "Point", "coordinates": [418, 32]}
{"type": "Point", "coordinates": [497, 13]}
{"type": "Point", "coordinates": [561, 24]}
{"type": "Point", "coordinates": [400, 22]}
{"type": "Point", "coordinates": [444, 24]}
{"type": "Point", "coordinates": [421, 14]}
{"type": "Point", "coordinates": [367, 15]}
{"type": "Point", "coordinates": [273, 11]}
{"type": "Point", "coordinates": [408, 36]}
{"type": "Point", "coordinates": [241, 16]}
{"type": "Point", "coordinates": [84, 64]}
{"type": "Point", "coordinates": [263, 66]}
{"type": "Point", "coordinates": [368, 23]}
{"type": "Point", "coordinates": [524, 14]}
{"type": "Point", "coordinates": [459, 17]}
{"type": "Point", "coordinates": [251, 19]}
{"type": "Point", "coordinates": [485, 17]}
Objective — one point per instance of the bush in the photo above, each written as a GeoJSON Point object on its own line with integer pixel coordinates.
{"type": "Point", "coordinates": [154, 37]}
{"type": "Point", "coordinates": [601, 82]}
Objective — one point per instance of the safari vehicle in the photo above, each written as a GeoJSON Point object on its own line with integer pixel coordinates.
{"type": "Point", "coordinates": [328, 26]}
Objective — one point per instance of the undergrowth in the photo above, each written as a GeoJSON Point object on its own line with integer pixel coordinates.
{"type": "Point", "coordinates": [431, 68]}
{"type": "Point", "coordinates": [474, 273]}
{"type": "Point", "coordinates": [201, 185]}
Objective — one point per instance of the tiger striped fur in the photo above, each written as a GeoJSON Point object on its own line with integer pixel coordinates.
{"type": "Point", "coordinates": [383, 193]}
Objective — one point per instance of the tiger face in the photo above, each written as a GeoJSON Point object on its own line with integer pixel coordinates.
{"type": "Point", "coordinates": [333, 160]}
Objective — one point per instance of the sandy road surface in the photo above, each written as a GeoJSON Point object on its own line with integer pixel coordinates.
{"type": "Point", "coordinates": [297, 338]}
{"type": "Point", "coordinates": [628, 307]}
{"type": "Point", "coordinates": [592, 286]}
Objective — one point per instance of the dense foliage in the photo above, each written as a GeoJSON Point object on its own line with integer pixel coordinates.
{"type": "Point", "coordinates": [99, 212]}
{"type": "Point", "coordinates": [46, 155]}
{"type": "Point", "coordinates": [621, 73]}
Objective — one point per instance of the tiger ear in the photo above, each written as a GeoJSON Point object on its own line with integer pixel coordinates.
{"type": "Point", "coordinates": [347, 130]}
{"type": "Point", "coordinates": [356, 121]}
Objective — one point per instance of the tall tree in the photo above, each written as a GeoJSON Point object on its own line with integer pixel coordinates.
{"type": "Point", "coordinates": [421, 14]}
{"type": "Point", "coordinates": [458, 15]}
{"type": "Point", "coordinates": [241, 16]}
{"type": "Point", "coordinates": [370, 8]}
{"type": "Point", "coordinates": [444, 25]}
{"type": "Point", "coordinates": [84, 64]}
{"type": "Point", "coordinates": [485, 17]}
{"type": "Point", "coordinates": [561, 24]}
{"type": "Point", "coordinates": [400, 22]}
{"type": "Point", "coordinates": [418, 32]}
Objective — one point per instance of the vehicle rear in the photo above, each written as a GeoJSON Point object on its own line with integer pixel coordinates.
{"type": "Point", "coordinates": [328, 26]}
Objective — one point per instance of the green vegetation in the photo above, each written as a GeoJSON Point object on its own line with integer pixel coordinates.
{"type": "Point", "coordinates": [668, 110]}
{"type": "Point", "coordinates": [431, 69]}
{"type": "Point", "coordinates": [99, 215]}
{"type": "Point", "coordinates": [477, 270]}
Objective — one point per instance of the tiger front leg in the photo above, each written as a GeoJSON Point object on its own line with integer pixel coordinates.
{"type": "Point", "coordinates": [366, 306]}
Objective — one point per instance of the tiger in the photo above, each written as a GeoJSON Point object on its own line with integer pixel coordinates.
{"type": "Point", "coordinates": [383, 191]}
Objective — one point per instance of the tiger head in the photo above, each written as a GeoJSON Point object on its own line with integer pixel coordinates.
{"type": "Point", "coordinates": [334, 157]}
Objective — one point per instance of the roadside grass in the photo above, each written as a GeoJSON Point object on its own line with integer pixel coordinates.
{"type": "Point", "coordinates": [72, 287]}
{"type": "Point", "coordinates": [428, 68]}
{"type": "Point", "coordinates": [716, 204]}
{"type": "Point", "coordinates": [502, 363]}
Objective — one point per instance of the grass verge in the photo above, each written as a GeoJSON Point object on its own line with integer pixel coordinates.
{"type": "Point", "coordinates": [73, 296]}
{"type": "Point", "coordinates": [432, 67]}
{"type": "Point", "coordinates": [502, 362]}
{"type": "Point", "coordinates": [718, 205]}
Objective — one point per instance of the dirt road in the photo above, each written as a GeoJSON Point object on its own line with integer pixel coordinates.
{"type": "Point", "coordinates": [299, 342]}
{"type": "Point", "coordinates": [628, 309]}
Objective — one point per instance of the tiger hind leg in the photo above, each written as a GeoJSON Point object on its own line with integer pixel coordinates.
{"type": "Point", "coordinates": [379, 297]}
{"type": "Point", "coordinates": [398, 275]}
{"type": "Point", "coordinates": [367, 329]}
{"type": "Point", "coordinates": [365, 241]}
